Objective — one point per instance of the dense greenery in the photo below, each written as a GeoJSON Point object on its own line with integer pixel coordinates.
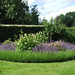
{"type": "Point", "coordinates": [17, 12]}
{"type": "Point", "coordinates": [68, 35]}
{"type": "Point", "coordinates": [28, 41]}
{"type": "Point", "coordinates": [53, 27]}
{"type": "Point", "coordinates": [37, 57]}
{"type": "Point", "coordinates": [15, 31]}
{"type": "Point", "coordinates": [68, 19]}
{"type": "Point", "coordinates": [34, 48]}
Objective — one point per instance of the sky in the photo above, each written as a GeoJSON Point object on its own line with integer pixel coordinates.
{"type": "Point", "coordinates": [52, 8]}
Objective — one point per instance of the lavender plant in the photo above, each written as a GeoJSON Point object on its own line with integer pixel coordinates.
{"type": "Point", "coordinates": [9, 46]}
{"type": "Point", "coordinates": [66, 45]}
{"type": "Point", "coordinates": [54, 47]}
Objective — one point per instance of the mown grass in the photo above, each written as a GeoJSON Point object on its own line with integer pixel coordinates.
{"type": "Point", "coordinates": [37, 57]}
{"type": "Point", "coordinates": [58, 68]}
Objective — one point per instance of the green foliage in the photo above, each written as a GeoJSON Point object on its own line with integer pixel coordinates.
{"type": "Point", "coordinates": [68, 19]}
{"type": "Point", "coordinates": [7, 42]}
{"type": "Point", "coordinates": [37, 57]}
{"type": "Point", "coordinates": [70, 35]}
{"type": "Point", "coordinates": [17, 12]}
{"type": "Point", "coordinates": [27, 41]}
{"type": "Point", "coordinates": [58, 26]}
{"type": "Point", "coordinates": [15, 31]}
{"type": "Point", "coordinates": [34, 15]}
{"type": "Point", "coordinates": [52, 27]}
{"type": "Point", "coordinates": [41, 37]}
{"type": "Point", "coordinates": [48, 26]}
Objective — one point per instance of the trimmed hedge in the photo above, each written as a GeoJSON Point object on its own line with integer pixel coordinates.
{"type": "Point", "coordinates": [7, 32]}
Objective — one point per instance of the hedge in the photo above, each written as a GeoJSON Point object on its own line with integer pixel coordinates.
{"type": "Point", "coordinates": [8, 31]}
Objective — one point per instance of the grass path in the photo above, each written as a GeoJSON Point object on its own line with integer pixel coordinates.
{"type": "Point", "coordinates": [57, 68]}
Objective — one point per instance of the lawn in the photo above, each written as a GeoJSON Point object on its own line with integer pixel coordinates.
{"type": "Point", "coordinates": [55, 68]}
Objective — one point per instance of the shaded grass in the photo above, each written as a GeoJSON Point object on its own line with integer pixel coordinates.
{"type": "Point", "coordinates": [33, 57]}
{"type": "Point", "coordinates": [58, 68]}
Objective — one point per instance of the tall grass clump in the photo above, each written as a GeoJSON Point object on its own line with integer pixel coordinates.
{"type": "Point", "coordinates": [37, 57]}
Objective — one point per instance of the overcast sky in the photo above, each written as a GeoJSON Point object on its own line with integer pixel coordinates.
{"type": "Point", "coordinates": [52, 8]}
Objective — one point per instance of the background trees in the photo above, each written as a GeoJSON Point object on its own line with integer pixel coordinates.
{"type": "Point", "coordinates": [17, 12]}
{"type": "Point", "coordinates": [34, 15]}
{"type": "Point", "coordinates": [68, 19]}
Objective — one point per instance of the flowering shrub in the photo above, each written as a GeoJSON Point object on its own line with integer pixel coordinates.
{"type": "Point", "coordinates": [55, 46]}
{"type": "Point", "coordinates": [26, 42]}
{"type": "Point", "coordinates": [41, 37]}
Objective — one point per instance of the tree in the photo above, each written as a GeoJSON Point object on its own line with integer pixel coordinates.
{"type": "Point", "coordinates": [2, 12]}
{"type": "Point", "coordinates": [15, 11]}
{"type": "Point", "coordinates": [52, 26]}
{"type": "Point", "coordinates": [69, 19]}
{"type": "Point", "coordinates": [61, 17]}
{"type": "Point", "coordinates": [34, 15]}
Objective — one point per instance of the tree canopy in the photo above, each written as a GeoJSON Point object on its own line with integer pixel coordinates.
{"type": "Point", "coordinates": [68, 19]}
{"type": "Point", "coordinates": [17, 12]}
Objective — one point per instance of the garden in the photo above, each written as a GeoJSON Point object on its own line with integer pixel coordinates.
{"type": "Point", "coordinates": [38, 48]}
{"type": "Point", "coordinates": [33, 45]}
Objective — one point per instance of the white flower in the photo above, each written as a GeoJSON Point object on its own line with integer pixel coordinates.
{"type": "Point", "coordinates": [36, 41]}
{"type": "Point", "coordinates": [24, 34]}
{"type": "Point", "coordinates": [18, 43]}
{"type": "Point", "coordinates": [23, 37]}
{"type": "Point", "coordinates": [29, 48]}
{"type": "Point", "coordinates": [28, 39]}
{"type": "Point", "coordinates": [25, 43]}
{"type": "Point", "coordinates": [40, 35]}
{"type": "Point", "coordinates": [33, 40]}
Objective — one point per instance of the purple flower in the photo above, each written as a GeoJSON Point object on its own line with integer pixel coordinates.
{"type": "Point", "coordinates": [54, 46]}
{"type": "Point", "coordinates": [7, 47]}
